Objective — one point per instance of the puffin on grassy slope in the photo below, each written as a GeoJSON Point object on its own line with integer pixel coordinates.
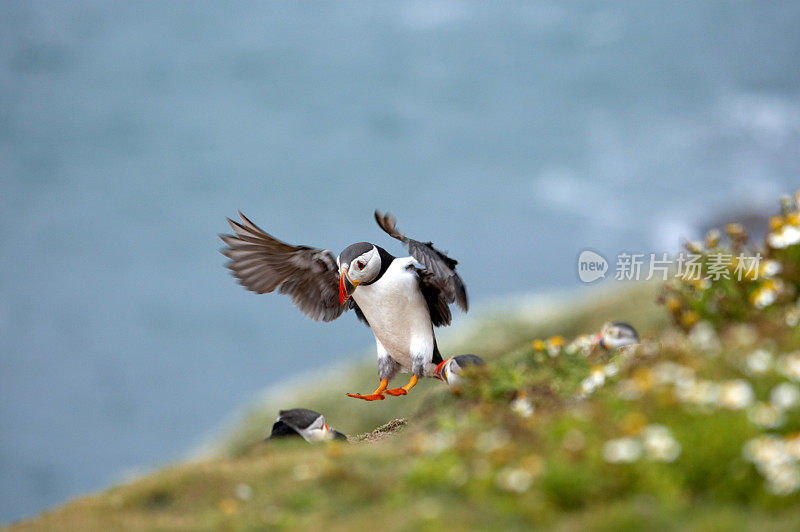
{"type": "Point", "coordinates": [617, 334]}
{"type": "Point", "coordinates": [450, 370]}
{"type": "Point", "coordinates": [399, 300]}
{"type": "Point", "coordinates": [306, 423]}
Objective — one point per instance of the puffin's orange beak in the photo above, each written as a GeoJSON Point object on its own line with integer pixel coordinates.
{"type": "Point", "coordinates": [598, 340]}
{"type": "Point", "coordinates": [438, 371]}
{"type": "Point", "coordinates": [342, 290]}
{"type": "Point", "coordinates": [346, 287]}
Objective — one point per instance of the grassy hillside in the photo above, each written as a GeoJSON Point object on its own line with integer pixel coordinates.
{"type": "Point", "coordinates": [696, 428]}
{"type": "Point", "coordinates": [497, 330]}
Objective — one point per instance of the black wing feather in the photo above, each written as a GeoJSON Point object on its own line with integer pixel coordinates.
{"type": "Point", "coordinates": [309, 276]}
{"type": "Point", "coordinates": [441, 279]}
{"type": "Point", "coordinates": [432, 289]}
{"type": "Point", "coordinates": [281, 429]}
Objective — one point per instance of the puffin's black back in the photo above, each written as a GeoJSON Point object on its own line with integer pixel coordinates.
{"type": "Point", "coordinates": [281, 429]}
{"type": "Point", "coordinates": [299, 418]}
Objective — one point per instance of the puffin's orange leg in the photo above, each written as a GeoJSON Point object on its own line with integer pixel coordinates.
{"type": "Point", "coordinates": [404, 390]}
{"type": "Point", "coordinates": [377, 395]}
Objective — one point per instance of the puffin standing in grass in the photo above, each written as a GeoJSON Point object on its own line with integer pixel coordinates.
{"type": "Point", "coordinates": [399, 300]}
{"type": "Point", "coordinates": [306, 423]}
{"type": "Point", "coordinates": [450, 370]}
{"type": "Point", "coordinates": [613, 335]}
{"type": "Point", "coordinates": [617, 334]}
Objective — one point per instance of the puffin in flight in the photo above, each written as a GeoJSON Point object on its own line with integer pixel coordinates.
{"type": "Point", "coordinates": [399, 300]}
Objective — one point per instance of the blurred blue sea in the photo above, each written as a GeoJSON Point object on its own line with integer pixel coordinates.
{"type": "Point", "coordinates": [512, 135]}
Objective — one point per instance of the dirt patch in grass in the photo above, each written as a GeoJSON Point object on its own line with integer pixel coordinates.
{"type": "Point", "coordinates": [381, 433]}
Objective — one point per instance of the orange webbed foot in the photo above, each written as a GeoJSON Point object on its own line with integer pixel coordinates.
{"type": "Point", "coordinates": [377, 395]}
{"type": "Point", "coordinates": [369, 397]}
{"type": "Point", "coordinates": [404, 390]}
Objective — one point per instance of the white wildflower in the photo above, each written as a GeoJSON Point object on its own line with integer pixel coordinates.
{"type": "Point", "coordinates": [759, 361]}
{"type": "Point", "coordinates": [769, 268]}
{"type": "Point", "coordinates": [779, 468]}
{"type": "Point", "coordinates": [684, 376]}
{"type": "Point", "coordinates": [700, 392]}
{"type": "Point", "coordinates": [622, 450]}
{"type": "Point", "coordinates": [736, 394]}
{"type": "Point", "coordinates": [793, 316]}
{"type": "Point", "coordinates": [789, 365]}
{"type": "Point", "coordinates": [659, 444]}
{"type": "Point", "coordinates": [764, 297]}
{"type": "Point", "coordinates": [791, 446]}
{"type": "Point", "coordinates": [743, 334]}
{"type": "Point", "coordinates": [766, 416]}
{"type": "Point", "coordinates": [764, 450]}
{"type": "Point", "coordinates": [522, 407]}
{"type": "Point", "coordinates": [595, 380]}
{"type": "Point", "coordinates": [782, 478]}
{"type": "Point", "coordinates": [243, 491]}
{"type": "Point", "coordinates": [704, 337]}
{"type": "Point", "coordinates": [694, 246]}
{"type": "Point", "coordinates": [583, 344]}
{"type": "Point", "coordinates": [554, 345]}
{"type": "Point", "coordinates": [786, 236]}
{"type": "Point", "coordinates": [516, 480]}
{"type": "Point", "coordinates": [672, 373]}
{"type": "Point", "coordinates": [785, 396]}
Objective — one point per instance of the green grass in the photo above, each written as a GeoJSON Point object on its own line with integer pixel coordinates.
{"type": "Point", "coordinates": [471, 461]}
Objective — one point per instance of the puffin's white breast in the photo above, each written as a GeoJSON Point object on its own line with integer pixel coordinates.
{"type": "Point", "coordinates": [397, 312]}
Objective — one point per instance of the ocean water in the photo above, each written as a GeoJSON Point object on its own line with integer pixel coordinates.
{"type": "Point", "coordinates": [513, 135]}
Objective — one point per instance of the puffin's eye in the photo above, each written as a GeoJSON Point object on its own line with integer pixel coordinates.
{"type": "Point", "coordinates": [360, 264]}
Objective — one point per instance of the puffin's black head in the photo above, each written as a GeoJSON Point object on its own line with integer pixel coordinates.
{"type": "Point", "coordinates": [360, 263]}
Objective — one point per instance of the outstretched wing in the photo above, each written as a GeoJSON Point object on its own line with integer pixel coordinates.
{"type": "Point", "coordinates": [262, 263]}
{"type": "Point", "coordinates": [442, 269]}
